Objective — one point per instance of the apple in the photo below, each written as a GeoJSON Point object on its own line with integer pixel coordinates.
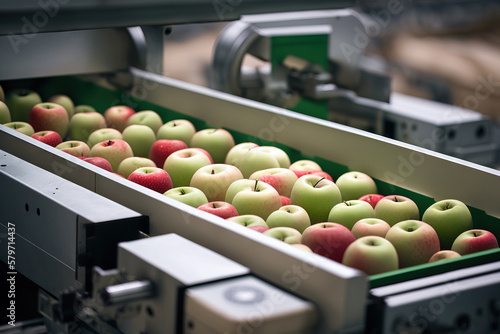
{"type": "Point", "coordinates": [395, 208]}
{"type": "Point", "coordinates": [146, 117]}
{"type": "Point", "coordinates": [258, 228]}
{"type": "Point", "coordinates": [130, 164]}
{"type": "Point", "coordinates": [22, 127]}
{"type": "Point", "coordinates": [281, 156]}
{"type": "Point", "coordinates": [182, 164]}
{"type": "Point", "coordinates": [371, 198]}
{"type": "Point", "coordinates": [444, 254]}
{"type": "Point", "coordinates": [205, 152]}
{"type": "Point", "coordinates": [48, 137]}
{"type": "Point", "coordinates": [219, 208]}
{"type": "Point", "coordinates": [117, 116]}
{"type": "Point", "coordinates": [282, 179]}
{"type": "Point", "coordinates": [103, 134]}
{"type": "Point", "coordinates": [314, 172]}
{"type": "Point", "coordinates": [75, 148]}
{"type": "Point", "coordinates": [301, 167]}
{"type": "Point", "coordinates": [449, 218]}
{"type": "Point", "coordinates": [187, 195]}
{"type": "Point", "coordinates": [154, 178]}
{"type": "Point", "coordinates": [237, 151]}
{"type": "Point", "coordinates": [180, 129]}
{"type": "Point", "coordinates": [285, 200]}
{"type": "Point", "coordinates": [82, 124]}
{"type": "Point", "coordinates": [4, 113]}
{"type": "Point", "coordinates": [355, 184]}
{"type": "Point", "coordinates": [328, 239]}
{"type": "Point", "coordinates": [316, 195]}
{"type": "Point", "coordinates": [83, 108]}
{"type": "Point", "coordinates": [302, 247]}
{"type": "Point", "coordinates": [414, 240]}
{"type": "Point", "coordinates": [162, 148]}
{"type": "Point", "coordinates": [217, 142]}
{"type": "Point", "coordinates": [256, 159]}
{"type": "Point", "coordinates": [140, 138]}
{"type": "Point", "coordinates": [49, 116]}
{"type": "Point", "coordinates": [2, 94]}
{"type": "Point", "coordinates": [20, 102]}
{"type": "Point", "coordinates": [249, 220]}
{"type": "Point", "coordinates": [64, 101]}
{"type": "Point", "coordinates": [214, 179]}
{"type": "Point", "coordinates": [348, 213]}
{"type": "Point", "coordinates": [290, 216]}
{"type": "Point", "coordinates": [288, 235]}
{"type": "Point", "coordinates": [371, 254]}
{"type": "Point", "coordinates": [99, 162]}
{"type": "Point", "coordinates": [113, 150]}
{"type": "Point", "coordinates": [475, 240]}
{"type": "Point", "coordinates": [253, 197]}
{"type": "Point", "coordinates": [370, 226]}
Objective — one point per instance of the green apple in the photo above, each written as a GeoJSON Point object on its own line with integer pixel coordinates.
{"type": "Point", "coordinates": [103, 134]}
{"type": "Point", "coordinates": [81, 108]}
{"type": "Point", "coordinates": [415, 242]}
{"type": "Point", "coordinates": [64, 101]}
{"type": "Point", "coordinates": [237, 151]}
{"type": "Point", "coordinates": [348, 213]}
{"type": "Point", "coordinates": [187, 195]}
{"type": "Point", "coordinates": [253, 197]}
{"type": "Point", "coordinates": [443, 255]}
{"type": "Point", "coordinates": [214, 179]}
{"type": "Point", "coordinates": [316, 195]}
{"type": "Point", "coordinates": [22, 127]}
{"type": "Point", "coordinates": [282, 179]}
{"type": "Point", "coordinates": [2, 94]}
{"type": "Point", "coordinates": [217, 142]}
{"type": "Point", "coordinates": [256, 159]}
{"type": "Point", "coordinates": [449, 218]}
{"type": "Point", "coordinates": [82, 124]}
{"type": "Point", "coordinates": [302, 247]}
{"type": "Point", "coordinates": [473, 241]}
{"type": "Point", "coordinates": [75, 148]}
{"type": "Point", "coordinates": [4, 113]}
{"type": "Point", "coordinates": [290, 216]}
{"type": "Point", "coordinates": [113, 150]}
{"type": "Point", "coordinates": [180, 129]}
{"type": "Point", "coordinates": [146, 117]}
{"type": "Point", "coordinates": [355, 184]}
{"type": "Point", "coordinates": [182, 164]}
{"type": "Point", "coordinates": [20, 101]}
{"type": "Point", "coordinates": [130, 164]}
{"type": "Point", "coordinates": [281, 156]}
{"type": "Point", "coordinates": [371, 254]}
{"type": "Point", "coordinates": [395, 208]}
{"type": "Point", "coordinates": [370, 226]}
{"type": "Point", "coordinates": [288, 235]}
{"type": "Point", "coordinates": [248, 220]}
{"type": "Point", "coordinates": [140, 138]}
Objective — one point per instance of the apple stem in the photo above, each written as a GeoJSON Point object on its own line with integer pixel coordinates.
{"type": "Point", "coordinates": [447, 206]}
{"type": "Point", "coordinates": [213, 172]}
{"type": "Point", "coordinates": [318, 182]}
{"type": "Point", "coordinates": [183, 192]}
{"type": "Point", "coordinates": [255, 187]}
{"type": "Point", "coordinates": [347, 203]}
{"type": "Point", "coordinates": [395, 199]}
{"type": "Point", "coordinates": [410, 229]}
{"type": "Point", "coordinates": [109, 143]}
{"type": "Point", "coordinates": [213, 205]}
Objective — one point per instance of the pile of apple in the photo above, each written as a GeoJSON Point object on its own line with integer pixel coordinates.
{"type": "Point", "coordinates": [345, 220]}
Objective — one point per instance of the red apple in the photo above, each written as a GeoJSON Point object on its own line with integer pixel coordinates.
{"type": "Point", "coordinates": [154, 178]}
{"type": "Point", "coordinates": [48, 137]}
{"type": "Point", "coordinates": [444, 254]}
{"type": "Point", "coordinates": [302, 167]}
{"type": "Point", "coordinates": [372, 199]}
{"type": "Point", "coordinates": [258, 228]}
{"type": "Point", "coordinates": [99, 162]}
{"type": "Point", "coordinates": [284, 200]}
{"type": "Point", "coordinates": [473, 241]}
{"type": "Point", "coordinates": [116, 117]}
{"type": "Point", "coordinates": [162, 148]}
{"type": "Point", "coordinates": [113, 150]}
{"type": "Point", "coordinates": [328, 239]}
{"type": "Point", "coordinates": [219, 208]}
{"type": "Point", "coordinates": [49, 116]}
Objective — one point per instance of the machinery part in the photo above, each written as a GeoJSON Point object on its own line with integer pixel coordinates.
{"type": "Point", "coordinates": [125, 292]}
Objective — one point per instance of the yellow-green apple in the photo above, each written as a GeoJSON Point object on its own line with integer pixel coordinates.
{"type": "Point", "coordinates": [49, 116]}
{"type": "Point", "coordinates": [82, 124]}
{"type": "Point", "coordinates": [205, 152]}
{"type": "Point", "coordinates": [76, 148]}
{"type": "Point", "coordinates": [181, 129]}
{"type": "Point", "coordinates": [328, 239]}
{"type": "Point", "coordinates": [154, 178]}
{"type": "Point", "coordinates": [140, 138]}
{"type": "Point", "coordinates": [290, 216]}
{"type": "Point", "coordinates": [370, 226]}
{"type": "Point", "coordinates": [130, 164]}
{"type": "Point", "coordinates": [302, 247]}
{"type": "Point", "coordinates": [22, 127]}
{"type": "Point", "coordinates": [48, 137]}
{"type": "Point", "coordinates": [146, 117]}
{"type": "Point", "coordinates": [286, 234]}
{"type": "Point", "coordinates": [316, 195]}
{"type": "Point", "coordinates": [253, 197]}
{"type": "Point", "coordinates": [65, 101]}
{"type": "Point", "coordinates": [285, 200]}
{"type": "Point", "coordinates": [449, 218]}
{"type": "Point", "coordinates": [473, 241]}
{"type": "Point", "coordinates": [372, 199]}
{"type": "Point", "coordinates": [113, 150]}
{"type": "Point", "coordinates": [395, 208]}
{"type": "Point", "coordinates": [182, 164]}
{"type": "Point", "coordinates": [371, 254]}
{"type": "Point", "coordinates": [162, 148]}
{"type": "Point", "coordinates": [103, 134]}
{"type": "Point", "coordinates": [217, 142]}
{"type": "Point", "coordinates": [302, 167]}
{"type": "Point", "coordinates": [117, 116]}
{"type": "Point", "coordinates": [219, 208]}
{"type": "Point", "coordinates": [281, 156]}
{"type": "Point", "coordinates": [282, 179]}
{"type": "Point", "coordinates": [444, 254]}
{"type": "Point", "coordinates": [84, 108]}
{"type": "Point", "coordinates": [99, 162]}
{"type": "Point", "coordinates": [2, 94]}
{"type": "Point", "coordinates": [348, 213]}
{"type": "Point", "coordinates": [214, 179]}
{"type": "Point", "coordinates": [20, 102]}
{"type": "Point", "coordinates": [4, 113]}
{"type": "Point", "coordinates": [249, 220]}
{"type": "Point", "coordinates": [355, 184]}
{"type": "Point", "coordinates": [256, 159]}
{"type": "Point", "coordinates": [187, 195]}
{"type": "Point", "coordinates": [237, 151]}
{"type": "Point", "coordinates": [414, 240]}
{"type": "Point", "coordinates": [315, 172]}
